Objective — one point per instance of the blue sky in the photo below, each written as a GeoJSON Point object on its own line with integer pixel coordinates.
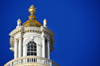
{"type": "Point", "coordinates": [76, 24]}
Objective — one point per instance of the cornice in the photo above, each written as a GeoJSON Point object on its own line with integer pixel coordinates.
{"type": "Point", "coordinates": [31, 29]}
{"type": "Point", "coordinates": [15, 31]}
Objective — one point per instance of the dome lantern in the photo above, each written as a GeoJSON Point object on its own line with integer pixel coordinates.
{"type": "Point", "coordinates": [32, 22]}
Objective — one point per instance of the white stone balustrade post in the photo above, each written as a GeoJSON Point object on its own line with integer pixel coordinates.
{"type": "Point", "coordinates": [50, 63]}
{"type": "Point", "coordinates": [15, 49]}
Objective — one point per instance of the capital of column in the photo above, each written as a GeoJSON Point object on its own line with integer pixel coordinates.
{"type": "Point", "coordinates": [42, 37]}
{"type": "Point", "coordinates": [15, 40]}
{"type": "Point", "coordinates": [20, 38]}
{"type": "Point", "coordinates": [39, 45]}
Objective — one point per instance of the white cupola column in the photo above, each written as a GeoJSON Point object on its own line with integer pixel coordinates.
{"type": "Point", "coordinates": [20, 46]}
{"type": "Point", "coordinates": [39, 53]}
{"type": "Point", "coordinates": [24, 50]}
{"type": "Point", "coordinates": [43, 46]}
{"type": "Point", "coordinates": [15, 49]}
{"type": "Point", "coordinates": [43, 42]}
{"type": "Point", "coordinates": [48, 47]}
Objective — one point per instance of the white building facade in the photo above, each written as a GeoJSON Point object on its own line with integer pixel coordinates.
{"type": "Point", "coordinates": [31, 43]}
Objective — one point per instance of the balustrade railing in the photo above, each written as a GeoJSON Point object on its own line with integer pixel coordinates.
{"type": "Point", "coordinates": [31, 59]}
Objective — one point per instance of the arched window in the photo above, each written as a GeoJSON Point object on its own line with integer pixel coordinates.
{"type": "Point", "coordinates": [31, 49]}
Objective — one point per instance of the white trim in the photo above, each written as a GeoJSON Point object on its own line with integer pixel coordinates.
{"type": "Point", "coordinates": [15, 49]}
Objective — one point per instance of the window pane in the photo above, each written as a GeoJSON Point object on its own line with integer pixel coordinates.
{"type": "Point", "coordinates": [33, 42]}
{"type": "Point", "coordinates": [28, 46]}
{"type": "Point", "coordinates": [28, 49]}
{"type": "Point", "coordinates": [31, 49]}
{"type": "Point", "coordinates": [31, 46]}
{"type": "Point", "coordinates": [34, 49]}
{"type": "Point", "coordinates": [35, 54]}
{"type": "Point", "coordinates": [34, 46]}
{"type": "Point", "coordinates": [31, 53]}
{"type": "Point", "coordinates": [28, 54]}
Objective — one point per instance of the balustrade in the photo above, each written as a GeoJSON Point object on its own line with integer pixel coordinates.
{"type": "Point", "coordinates": [31, 59]}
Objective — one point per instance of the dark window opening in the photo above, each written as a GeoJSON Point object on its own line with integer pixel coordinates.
{"type": "Point", "coordinates": [31, 49]}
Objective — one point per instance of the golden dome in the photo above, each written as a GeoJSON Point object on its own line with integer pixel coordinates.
{"type": "Point", "coordinates": [32, 19]}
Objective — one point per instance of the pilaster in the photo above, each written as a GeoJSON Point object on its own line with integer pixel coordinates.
{"type": "Point", "coordinates": [39, 50]}
{"type": "Point", "coordinates": [43, 42]}
{"type": "Point", "coordinates": [48, 47]}
{"type": "Point", "coordinates": [43, 46]}
{"type": "Point", "coordinates": [20, 46]}
{"type": "Point", "coordinates": [24, 50]}
{"type": "Point", "coordinates": [15, 48]}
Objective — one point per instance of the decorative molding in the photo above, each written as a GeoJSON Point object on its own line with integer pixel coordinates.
{"type": "Point", "coordinates": [37, 30]}
{"type": "Point", "coordinates": [39, 45]}
{"type": "Point", "coordinates": [17, 60]}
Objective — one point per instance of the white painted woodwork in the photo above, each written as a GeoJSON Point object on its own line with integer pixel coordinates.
{"type": "Point", "coordinates": [41, 61]}
{"type": "Point", "coordinates": [20, 47]}
{"type": "Point", "coordinates": [43, 46]}
{"type": "Point", "coordinates": [15, 49]}
{"type": "Point", "coordinates": [26, 34]}
{"type": "Point", "coordinates": [48, 47]}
